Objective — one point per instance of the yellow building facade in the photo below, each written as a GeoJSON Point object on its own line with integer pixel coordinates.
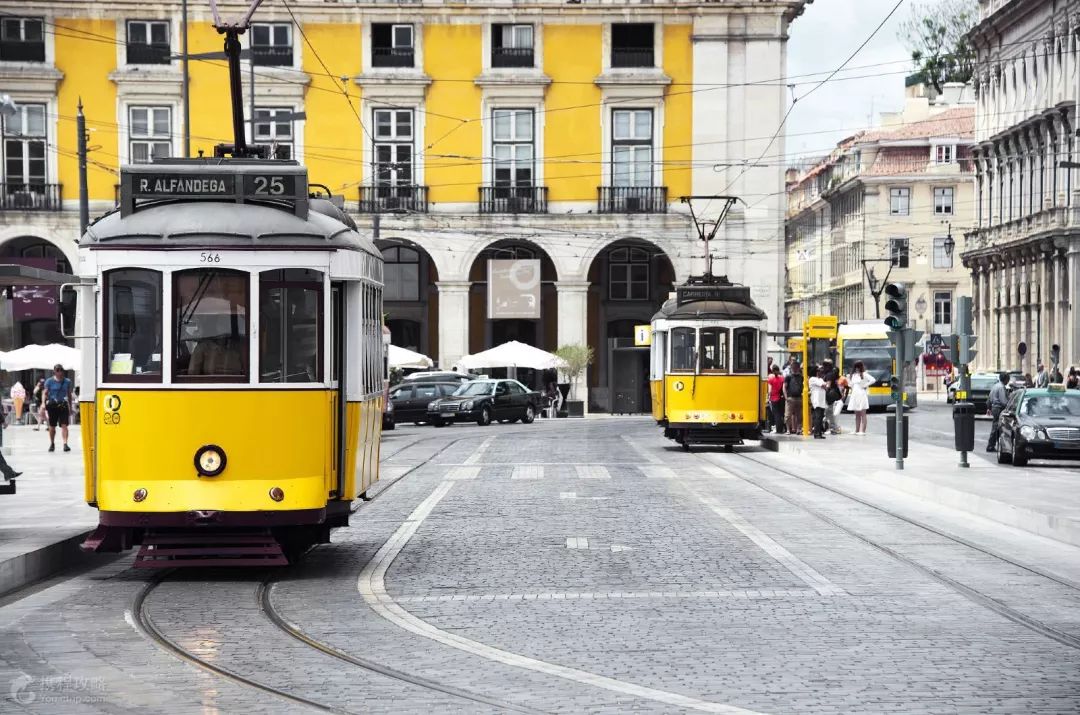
{"type": "Point", "coordinates": [557, 133]}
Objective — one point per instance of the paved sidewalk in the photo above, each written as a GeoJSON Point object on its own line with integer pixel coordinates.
{"type": "Point", "coordinates": [1043, 499]}
{"type": "Point", "coordinates": [42, 524]}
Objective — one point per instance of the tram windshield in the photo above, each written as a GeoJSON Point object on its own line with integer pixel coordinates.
{"type": "Point", "coordinates": [683, 349]}
{"type": "Point", "coordinates": [714, 349]}
{"type": "Point", "coordinates": [133, 330]}
{"type": "Point", "coordinates": [290, 307]}
{"type": "Point", "coordinates": [210, 319]}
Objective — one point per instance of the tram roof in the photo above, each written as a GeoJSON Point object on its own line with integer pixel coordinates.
{"type": "Point", "coordinates": [228, 225]}
{"type": "Point", "coordinates": [710, 310]}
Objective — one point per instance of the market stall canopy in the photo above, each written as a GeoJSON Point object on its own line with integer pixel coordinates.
{"type": "Point", "coordinates": [407, 359]}
{"type": "Point", "coordinates": [40, 357]}
{"type": "Point", "coordinates": [512, 354]}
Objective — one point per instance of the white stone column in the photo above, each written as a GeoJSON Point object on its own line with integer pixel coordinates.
{"type": "Point", "coordinates": [573, 297]}
{"type": "Point", "coordinates": [453, 321]}
{"type": "Point", "coordinates": [1072, 321]}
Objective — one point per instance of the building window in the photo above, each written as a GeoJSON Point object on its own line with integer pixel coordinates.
{"type": "Point", "coordinates": [148, 42]}
{"type": "Point", "coordinates": [899, 201]}
{"type": "Point", "coordinates": [943, 201]}
{"type": "Point", "coordinates": [274, 130]}
{"type": "Point", "coordinates": [512, 147]}
{"type": "Point", "coordinates": [942, 258]}
{"type": "Point", "coordinates": [22, 39]}
{"type": "Point", "coordinates": [133, 325]}
{"type": "Point", "coordinates": [290, 325]}
{"type": "Point", "coordinates": [628, 274]}
{"type": "Point", "coordinates": [631, 147]}
{"type": "Point", "coordinates": [401, 274]}
{"type": "Point", "coordinates": [898, 252]}
{"type": "Point", "coordinates": [272, 44]}
{"type": "Point", "coordinates": [392, 45]}
{"type": "Point", "coordinates": [942, 311]}
{"type": "Point", "coordinates": [944, 154]}
{"type": "Point", "coordinates": [632, 44]}
{"type": "Point", "coordinates": [24, 149]}
{"type": "Point", "coordinates": [511, 45]}
{"type": "Point", "coordinates": [393, 147]}
{"type": "Point", "coordinates": [150, 134]}
{"type": "Point", "coordinates": [210, 325]}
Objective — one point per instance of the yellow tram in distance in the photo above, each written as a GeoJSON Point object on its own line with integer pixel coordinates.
{"type": "Point", "coordinates": [707, 364]}
{"type": "Point", "coordinates": [231, 332]}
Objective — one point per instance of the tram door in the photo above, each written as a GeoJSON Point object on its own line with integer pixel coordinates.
{"type": "Point", "coordinates": [337, 375]}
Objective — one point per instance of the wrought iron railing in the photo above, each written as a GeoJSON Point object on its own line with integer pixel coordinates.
{"type": "Point", "coordinates": [148, 54]}
{"type": "Point", "coordinates": [272, 56]}
{"type": "Point", "coordinates": [513, 199]}
{"type": "Point", "coordinates": [632, 57]}
{"type": "Point", "coordinates": [511, 57]}
{"type": "Point", "coordinates": [632, 199]}
{"type": "Point", "coordinates": [20, 51]}
{"type": "Point", "coordinates": [30, 197]}
{"type": "Point", "coordinates": [392, 57]}
{"type": "Point", "coordinates": [390, 199]}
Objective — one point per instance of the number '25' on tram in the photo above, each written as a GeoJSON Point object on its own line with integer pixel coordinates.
{"type": "Point", "coordinates": [231, 333]}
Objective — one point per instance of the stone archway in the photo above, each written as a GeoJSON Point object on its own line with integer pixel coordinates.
{"type": "Point", "coordinates": [31, 316]}
{"type": "Point", "coordinates": [410, 300]}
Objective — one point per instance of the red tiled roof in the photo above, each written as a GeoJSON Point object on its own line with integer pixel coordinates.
{"type": "Point", "coordinates": [957, 122]}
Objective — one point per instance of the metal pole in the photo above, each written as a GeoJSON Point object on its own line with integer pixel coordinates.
{"type": "Point", "coordinates": [900, 352]}
{"type": "Point", "coordinates": [965, 385]}
{"type": "Point", "coordinates": [84, 195]}
{"type": "Point", "coordinates": [184, 90]}
{"type": "Point", "coordinates": [251, 70]}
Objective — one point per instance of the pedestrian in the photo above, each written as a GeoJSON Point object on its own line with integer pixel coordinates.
{"type": "Point", "coordinates": [5, 468]}
{"type": "Point", "coordinates": [58, 405]}
{"type": "Point", "coordinates": [834, 397]}
{"type": "Point", "coordinates": [859, 397]}
{"type": "Point", "coordinates": [38, 404]}
{"type": "Point", "coordinates": [793, 396]}
{"type": "Point", "coordinates": [18, 397]}
{"type": "Point", "coordinates": [1073, 381]}
{"type": "Point", "coordinates": [818, 402]}
{"type": "Point", "coordinates": [1042, 377]}
{"type": "Point", "coordinates": [776, 400]}
{"type": "Point", "coordinates": [1055, 376]}
{"type": "Point", "coordinates": [999, 397]}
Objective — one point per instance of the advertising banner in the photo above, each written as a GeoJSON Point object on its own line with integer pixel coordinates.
{"type": "Point", "coordinates": [514, 289]}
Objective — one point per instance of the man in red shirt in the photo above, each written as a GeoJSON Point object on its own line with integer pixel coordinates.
{"type": "Point", "coordinates": [776, 400]}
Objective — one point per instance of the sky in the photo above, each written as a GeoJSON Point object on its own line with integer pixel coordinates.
{"type": "Point", "coordinates": [821, 39]}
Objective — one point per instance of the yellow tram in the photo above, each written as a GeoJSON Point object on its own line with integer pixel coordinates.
{"type": "Point", "coordinates": [231, 332]}
{"type": "Point", "coordinates": [707, 366]}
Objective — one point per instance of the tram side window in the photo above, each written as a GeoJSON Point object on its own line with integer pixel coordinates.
{"type": "Point", "coordinates": [745, 350]}
{"type": "Point", "coordinates": [714, 349]}
{"type": "Point", "coordinates": [210, 320]}
{"type": "Point", "coordinates": [683, 349]}
{"type": "Point", "coordinates": [133, 303]}
{"type": "Point", "coordinates": [290, 325]}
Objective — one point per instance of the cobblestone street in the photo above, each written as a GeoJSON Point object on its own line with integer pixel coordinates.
{"type": "Point", "coordinates": [577, 566]}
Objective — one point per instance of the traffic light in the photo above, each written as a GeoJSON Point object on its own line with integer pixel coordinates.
{"type": "Point", "coordinates": [964, 326]}
{"type": "Point", "coordinates": [954, 348]}
{"type": "Point", "coordinates": [894, 388]}
{"type": "Point", "coordinates": [967, 349]}
{"type": "Point", "coordinates": [896, 305]}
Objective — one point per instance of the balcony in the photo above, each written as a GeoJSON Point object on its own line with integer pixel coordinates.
{"type": "Point", "coordinates": [392, 56]}
{"type": "Point", "coordinates": [512, 57]}
{"type": "Point", "coordinates": [272, 56]}
{"type": "Point", "coordinates": [513, 199]}
{"type": "Point", "coordinates": [632, 199]}
{"type": "Point", "coordinates": [393, 199]}
{"type": "Point", "coordinates": [632, 57]}
{"type": "Point", "coordinates": [147, 54]}
{"type": "Point", "coordinates": [20, 51]}
{"type": "Point", "coordinates": [30, 197]}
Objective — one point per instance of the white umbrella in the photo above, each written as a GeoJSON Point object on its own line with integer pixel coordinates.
{"type": "Point", "coordinates": [407, 359]}
{"type": "Point", "coordinates": [512, 354]}
{"type": "Point", "coordinates": [40, 357]}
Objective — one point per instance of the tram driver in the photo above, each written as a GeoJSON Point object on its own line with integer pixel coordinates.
{"type": "Point", "coordinates": [220, 352]}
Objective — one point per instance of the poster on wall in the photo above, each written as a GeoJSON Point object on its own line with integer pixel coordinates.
{"type": "Point", "coordinates": [514, 289]}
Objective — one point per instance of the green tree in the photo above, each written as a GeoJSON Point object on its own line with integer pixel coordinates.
{"type": "Point", "coordinates": [577, 358]}
{"type": "Point", "coordinates": [936, 35]}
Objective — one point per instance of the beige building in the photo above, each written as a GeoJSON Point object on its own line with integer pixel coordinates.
{"type": "Point", "coordinates": [888, 204]}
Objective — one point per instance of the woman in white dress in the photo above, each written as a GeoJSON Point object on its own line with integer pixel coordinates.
{"type": "Point", "coordinates": [859, 397]}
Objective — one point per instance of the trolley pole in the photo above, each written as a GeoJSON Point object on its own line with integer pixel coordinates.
{"type": "Point", "coordinates": [184, 79]}
{"type": "Point", "coordinates": [84, 196]}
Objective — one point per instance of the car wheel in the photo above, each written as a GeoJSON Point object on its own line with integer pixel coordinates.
{"type": "Point", "coordinates": [438, 422]}
{"type": "Point", "coordinates": [1019, 459]}
{"type": "Point", "coordinates": [388, 426]}
{"type": "Point", "coordinates": [1003, 457]}
{"type": "Point", "coordinates": [485, 417]}
{"type": "Point", "coordinates": [529, 416]}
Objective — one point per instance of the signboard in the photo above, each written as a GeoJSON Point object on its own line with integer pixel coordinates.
{"type": "Point", "coordinates": [936, 341]}
{"type": "Point", "coordinates": [514, 289]}
{"type": "Point", "coordinates": [693, 293]}
{"type": "Point", "coordinates": [821, 326]}
{"type": "Point", "coordinates": [642, 335]}
{"type": "Point", "coordinates": [222, 185]}
{"type": "Point", "coordinates": [193, 180]}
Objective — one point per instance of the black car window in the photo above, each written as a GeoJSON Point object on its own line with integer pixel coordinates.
{"type": "Point", "coordinates": [474, 389]}
{"type": "Point", "coordinates": [1014, 400]}
{"type": "Point", "coordinates": [426, 392]}
{"type": "Point", "coordinates": [447, 389]}
{"type": "Point", "coordinates": [502, 389]}
{"type": "Point", "coordinates": [401, 393]}
{"type": "Point", "coordinates": [516, 389]}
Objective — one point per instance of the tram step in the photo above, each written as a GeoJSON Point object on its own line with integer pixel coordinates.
{"type": "Point", "coordinates": [170, 549]}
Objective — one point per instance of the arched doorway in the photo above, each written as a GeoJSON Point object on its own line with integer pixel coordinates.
{"type": "Point", "coordinates": [629, 281]}
{"type": "Point", "coordinates": [31, 317]}
{"type": "Point", "coordinates": [511, 311]}
{"type": "Point", "coordinates": [410, 300]}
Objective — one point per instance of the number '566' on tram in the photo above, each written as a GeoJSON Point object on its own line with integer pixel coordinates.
{"type": "Point", "coordinates": [231, 334]}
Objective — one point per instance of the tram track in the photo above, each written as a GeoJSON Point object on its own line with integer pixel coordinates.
{"type": "Point", "coordinates": [972, 594]}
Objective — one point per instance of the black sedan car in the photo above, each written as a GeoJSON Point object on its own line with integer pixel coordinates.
{"type": "Point", "coordinates": [979, 394]}
{"type": "Point", "coordinates": [482, 401]}
{"type": "Point", "coordinates": [411, 398]}
{"type": "Point", "coordinates": [1040, 424]}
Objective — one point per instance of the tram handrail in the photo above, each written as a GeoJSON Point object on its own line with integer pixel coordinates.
{"type": "Point", "coordinates": [60, 310]}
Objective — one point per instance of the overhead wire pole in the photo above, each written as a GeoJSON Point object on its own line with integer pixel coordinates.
{"type": "Point", "coordinates": [702, 224]}
{"type": "Point", "coordinates": [84, 190]}
{"type": "Point", "coordinates": [185, 90]}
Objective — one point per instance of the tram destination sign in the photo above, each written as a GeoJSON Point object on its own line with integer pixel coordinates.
{"type": "Point", "coordinates": [694, 293]}
{"type": "Point", "coordinates": [189, 185]}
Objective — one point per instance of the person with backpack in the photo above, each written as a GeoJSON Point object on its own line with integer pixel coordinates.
{"type": "Point", "coordinates": [793, 396]}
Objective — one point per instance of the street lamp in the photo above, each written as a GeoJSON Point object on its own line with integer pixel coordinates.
{"type": "Point", "coordinates": [920, 305]}
{"type": "Point", "coordinates": [8, 108]}
{"type": "Point", "coordinates": [950, 243]}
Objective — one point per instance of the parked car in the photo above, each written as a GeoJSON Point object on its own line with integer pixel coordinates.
{"type": "Point", "coordinates": [978, 393]}
{"type": "Point", "coordinates": [482, 401]}
{"type": "Point", "coordinates": [411, 398]}
{"type": "Point", "coordinates": [1040, 423]}
{"type": "Point", "coordinates": [439, 376]}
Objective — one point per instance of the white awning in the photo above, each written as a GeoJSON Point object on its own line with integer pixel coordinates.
{"type": "Point", "coordinates": [407, 359]}
{"type": "Point", "coordinates": [512, 354]}
{"type": "Point", "coordinates": [40, 357]}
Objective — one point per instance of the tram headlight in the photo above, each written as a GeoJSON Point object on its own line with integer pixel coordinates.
{"type": "Point", "coordinates": [210, 460]}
